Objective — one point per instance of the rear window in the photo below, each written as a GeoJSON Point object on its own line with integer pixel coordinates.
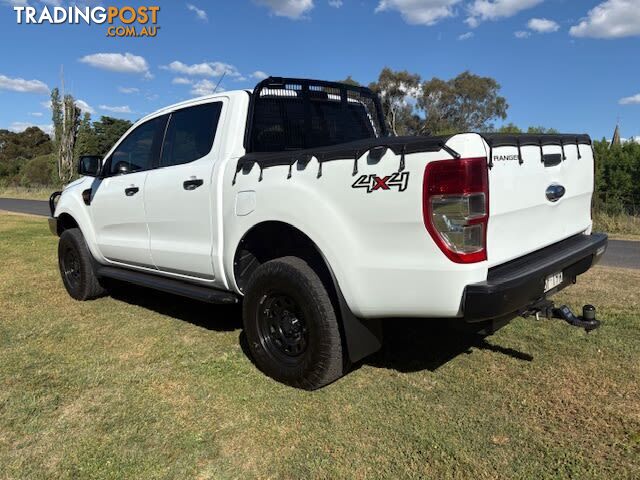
{"type": "Point", "coordinates": [190, 134]}
{"type": "Point", "coordinates": [293, 116]}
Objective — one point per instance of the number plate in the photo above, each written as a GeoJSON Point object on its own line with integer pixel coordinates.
{"type": "Point", "coordinates": [552, 281]}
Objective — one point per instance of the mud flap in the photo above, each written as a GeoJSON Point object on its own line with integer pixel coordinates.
{"type": "Point", "coordinates": [363, 337]}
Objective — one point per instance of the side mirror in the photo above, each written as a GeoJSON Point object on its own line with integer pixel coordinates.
{"type": "Point", "coordinates": [89, 165]}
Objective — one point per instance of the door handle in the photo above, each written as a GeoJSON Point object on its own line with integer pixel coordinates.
{"type": "Point", "coordinates": [192, 184]}
{"type": "Point", "coordinates": [130, 191]}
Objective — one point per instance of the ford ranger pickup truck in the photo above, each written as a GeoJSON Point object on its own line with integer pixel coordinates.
{"type": "Point", "coordinates": [294, 200]}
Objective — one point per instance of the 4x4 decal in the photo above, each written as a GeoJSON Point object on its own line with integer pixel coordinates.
{"type": "Point", "coordinates": [373, 182]}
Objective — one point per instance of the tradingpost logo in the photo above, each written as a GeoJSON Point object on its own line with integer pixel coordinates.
{"type": "Point", "coordinates": [125, 21]}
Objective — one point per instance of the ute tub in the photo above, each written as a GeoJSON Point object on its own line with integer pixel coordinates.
{"type": "Point", "coordinates": [511, 287]}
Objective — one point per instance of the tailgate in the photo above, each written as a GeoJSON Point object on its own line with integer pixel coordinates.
{"type": "Point", "coordinates": [540, 189]}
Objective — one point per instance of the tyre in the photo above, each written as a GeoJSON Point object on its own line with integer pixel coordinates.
{"type": "Point", "coordinates": [76, 267]}
{"type": "Point", "coordinates": [291, 326]}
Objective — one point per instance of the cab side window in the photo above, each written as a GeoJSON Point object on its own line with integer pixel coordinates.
{"type": "Point", "coordinates": [137, 151]}
{"type": "Point", "coordinates": [190, 134]}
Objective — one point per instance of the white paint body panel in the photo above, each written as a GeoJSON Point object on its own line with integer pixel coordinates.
{"type": "Point", "coordinates": [119, 221]}
{"type": "Point", "coordinates": [181, 223]}
{"type": "Point", "coordinates": [376, 243]}
{"type": "Point", "coordinates": [385, 262]}
{"type": "Point", "coordinates": [522, 220]}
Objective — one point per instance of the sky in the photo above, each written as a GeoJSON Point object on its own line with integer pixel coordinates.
{"type": "Point", "coordinates": [568, 64]}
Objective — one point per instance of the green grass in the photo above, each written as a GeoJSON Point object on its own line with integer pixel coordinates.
{"type": "Point", "coordinates": [149, 386]}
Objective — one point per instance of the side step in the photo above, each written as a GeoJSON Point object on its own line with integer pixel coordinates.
{"type": "Point", "coordinates": [169, 285]}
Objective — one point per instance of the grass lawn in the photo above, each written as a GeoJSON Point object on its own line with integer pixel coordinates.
{"type": "Point", "coordinates": [150, 386]}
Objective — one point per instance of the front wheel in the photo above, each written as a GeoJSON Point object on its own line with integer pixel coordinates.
{"type": "Point", "coordinates": [76, 267]}
{"type": "Point", "coordinates": [291, 325]}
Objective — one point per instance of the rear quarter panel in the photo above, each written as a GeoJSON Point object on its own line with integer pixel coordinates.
{"type": "Point", "coordinates": [375, 242]}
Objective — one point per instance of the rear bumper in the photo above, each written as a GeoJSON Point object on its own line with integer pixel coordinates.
{"type": "Point", "coordinates": [511, 287]}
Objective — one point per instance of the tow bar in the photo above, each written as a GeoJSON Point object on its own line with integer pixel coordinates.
{"type": "Point", "coordinates": [547, 309]}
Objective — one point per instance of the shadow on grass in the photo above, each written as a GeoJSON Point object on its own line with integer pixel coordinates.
{"type": "Point", "coordinates": [409, 345]}
{"type": "Point", "coordinates": [412, 345]}
{"type": "Point", "coordinates": [219, 318]}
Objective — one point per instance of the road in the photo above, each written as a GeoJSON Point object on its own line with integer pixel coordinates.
{"type": "Point", "coordinates": [621, 253]}
{"type": "Point", "coordinates": [33, 207]}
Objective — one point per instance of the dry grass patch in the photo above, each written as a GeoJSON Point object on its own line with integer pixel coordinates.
{"type": "Point", "coordinates": [28, 193]}
{"type": "Point", "coordinates": [621, 224]}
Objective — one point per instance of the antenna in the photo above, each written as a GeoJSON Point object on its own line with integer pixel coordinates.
{"type": "Point", "coordinates": [216, 88]}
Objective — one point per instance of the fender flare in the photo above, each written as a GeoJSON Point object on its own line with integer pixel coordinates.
{"type": "Point", "coordinates": [362, 336]}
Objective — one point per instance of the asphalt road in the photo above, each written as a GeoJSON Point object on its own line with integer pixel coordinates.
{"type": "Point", "coordinates": [621, 253]}
{"type": "Point", "coordinates": [33, 207]}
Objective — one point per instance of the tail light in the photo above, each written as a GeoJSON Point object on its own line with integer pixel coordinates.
{"type": "Point", "coordinates": [456, 207]}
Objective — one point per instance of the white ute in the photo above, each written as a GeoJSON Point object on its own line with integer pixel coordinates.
{"type": "Point", "coordinates": [294, 200]}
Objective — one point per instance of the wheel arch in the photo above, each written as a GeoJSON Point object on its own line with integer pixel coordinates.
{"type": "Point", "coordinates": [65, 222]}
{"type": "Point", "coordinates": [272, 239]}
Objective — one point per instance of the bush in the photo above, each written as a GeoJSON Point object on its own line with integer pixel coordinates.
{"type": "Point", "coordinates": [10, 169]}
{"type": "Point", "coordinates": [38, 171]}
{"type": "Point", "coordinates": [617, 178]}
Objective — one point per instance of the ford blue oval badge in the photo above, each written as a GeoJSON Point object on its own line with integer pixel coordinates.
{"type": "Point", "coordinates": [555, 192]}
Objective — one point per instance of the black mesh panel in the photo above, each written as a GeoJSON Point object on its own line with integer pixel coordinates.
{"type": "Point", "coordinates": [292, 116]}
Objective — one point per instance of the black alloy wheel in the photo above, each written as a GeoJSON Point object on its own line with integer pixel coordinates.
{"type": "Point", "coordinates": [282, 327]}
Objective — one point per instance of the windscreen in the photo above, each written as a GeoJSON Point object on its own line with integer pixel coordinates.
{"type": "Point", "coordinates": [299, 115]}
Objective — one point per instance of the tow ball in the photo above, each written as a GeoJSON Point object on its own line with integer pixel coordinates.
{"type": "Point", "coordinates": [548, 310]}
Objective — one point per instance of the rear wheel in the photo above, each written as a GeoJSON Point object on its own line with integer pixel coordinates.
{"type": "Point", "coordinates": [76, 267]}
{"type": "Point", "coordinates": [291, 325]}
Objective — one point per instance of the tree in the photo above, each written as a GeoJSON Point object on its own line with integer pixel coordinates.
{"type": "Point", "coordinates": [540, 129]}
{"type": "Point", "coordinates": [66, 119]}
{"type": "Point", "coordinates": [30, 143]}
{"type": "Point", "coordinates": [350, 81]}
{"type": "Point", "coordinates": [86, 139]}
{"type": "Point", "coordinates": [38, 171]}
{"type": "Point", "coordinates": [57, 118]}
{"type": "Point", "coordinates": [17, 148]}
{"type": "Point", "coordinates": [464, 103]}
{"type": "Point", "coordinates": [398, 92]}
{"type": "Point", "coordinates": [106, 132]}
{"type": "Point", "coordinates": [514, 129]}
{"type": "Point", "coordinates": [511, 128]}
{"type": "Point", "coordinates": [10, 170]}
{"type": "Point", "coordinates": [99, 137]}
{"type": "Point", "coordinates": [617, 177]}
